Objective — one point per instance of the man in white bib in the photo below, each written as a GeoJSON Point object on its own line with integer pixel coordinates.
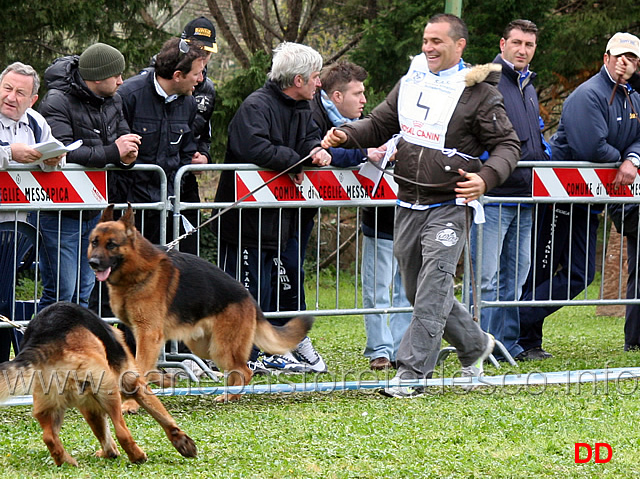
{"type": "Point", "coordinates": [448, 115]}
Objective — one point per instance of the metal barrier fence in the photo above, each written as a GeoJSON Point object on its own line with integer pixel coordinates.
{"type": "Point", "coordinates": [335, 239]}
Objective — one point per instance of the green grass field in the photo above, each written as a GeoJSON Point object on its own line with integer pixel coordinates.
{"type": "Point", "coordinates": [511, 432]}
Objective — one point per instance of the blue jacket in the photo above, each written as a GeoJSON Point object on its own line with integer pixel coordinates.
{"type": "Point", "coordinates": [592, 130]}
{"type": "Point", "coordinates": [167, 136]}
{"type": "Point", "coordinates": [524, 113]}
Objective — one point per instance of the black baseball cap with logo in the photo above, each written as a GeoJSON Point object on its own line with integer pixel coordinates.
{"type": "Point", "coordinates": [202, 30]}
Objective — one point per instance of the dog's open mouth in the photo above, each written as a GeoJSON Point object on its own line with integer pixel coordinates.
{"type": "Point", "coordinates": [103, 275]}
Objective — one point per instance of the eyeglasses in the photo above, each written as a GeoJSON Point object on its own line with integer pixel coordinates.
{"type": "Point", "coordinates": [183, 46]}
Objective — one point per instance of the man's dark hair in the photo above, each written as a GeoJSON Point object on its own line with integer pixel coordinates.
{"type": "Point", "coordinates": [525, 25]}
{"type": "Point", "coordinates": [171, 59]}
{"type": "Point", "coordinates": [457, 28]}
{"type": "Point", "coordinates": [336, 76]}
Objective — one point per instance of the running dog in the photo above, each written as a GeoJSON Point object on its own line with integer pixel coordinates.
{"type": "Point", "coordinates": [71, 358]}
{"type": "Point", "coordinates": [171, 295]}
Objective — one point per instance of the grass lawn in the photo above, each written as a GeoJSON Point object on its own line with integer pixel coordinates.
{"type": "Point", "coordinates": [503, 432]}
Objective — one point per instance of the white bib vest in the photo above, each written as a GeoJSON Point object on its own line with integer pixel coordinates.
{"type": "Point", "coordinates": [426, 103]}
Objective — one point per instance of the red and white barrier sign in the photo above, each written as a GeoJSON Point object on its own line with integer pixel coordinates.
{"type": "Point", "coordinates": [39, 187]}
{"type": "Point", "coordinates": [580, 183]}
{"type": "Point", "coordinates": [342, 185]}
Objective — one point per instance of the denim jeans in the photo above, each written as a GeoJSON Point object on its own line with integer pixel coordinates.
{"type": "Point", "coordinates": [506, 258]}
{"type": "Point", "coordinates": [74, 279]}
{"type": "Point", "coordinates": [379, 272]}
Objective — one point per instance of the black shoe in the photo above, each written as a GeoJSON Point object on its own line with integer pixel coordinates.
{"type": "Point", "coordinates": [533, 354]}
{"type": "Point", "coordinates": [631, 347]}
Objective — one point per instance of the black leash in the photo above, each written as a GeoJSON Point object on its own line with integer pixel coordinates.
{"type": "Point", "coordinates": [170, 246]}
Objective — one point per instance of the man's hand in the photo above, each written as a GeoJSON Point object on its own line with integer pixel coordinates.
{"type": "Point", "coordinates": [321, 158]}
{"type": "Point", "coordinates": [624, 68]}
{"type": "Point", "coordinates": [199, 159]}
{"type": "Point", "coordinates": [376, 154]}
{"type": "Point", "coordinates": [333, 138]}
{"type": "Point", "coordinates": [54, 161]}
{"type": "Point", "coordinates": [23, 153]}
{"type": "Point", "coordinates": [625, 175]}
{"type": "Point", "coordinates": [128, 147]}
{"type": "Point", "coordinates": [471, 188]}
{"type": "Point", "coordinates": [297, 178]}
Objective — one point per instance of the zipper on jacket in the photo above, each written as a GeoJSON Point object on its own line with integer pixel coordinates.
{"type": "Point", "coordinates": [417, 178]}
{"type": "Point", "coordinates": [495, 121]}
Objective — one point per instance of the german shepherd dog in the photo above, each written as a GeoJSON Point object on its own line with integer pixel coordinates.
{"type": "Point", "coordinates": [70, 357]}
{"type": "Point", "coordinates": [172, 295]}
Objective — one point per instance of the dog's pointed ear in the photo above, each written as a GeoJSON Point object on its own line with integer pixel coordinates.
{"type": "Point", "coordinates": [107, 214]}
{"type": "Point", "coordinates": [128, 218]}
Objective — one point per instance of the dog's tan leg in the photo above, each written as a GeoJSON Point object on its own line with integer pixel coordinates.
{"type": "Point", "coordinates": [145, 397]}
{"type": "Point", "coordinates": [97, 421]}
{"type": "Point", "coordinates": [51, 421]}
{"type": "Point", "coordinates": [112, 405]}
{"type": "Point", "coordinates": [148, 345]}
{"type": "Point", "coordinates": [237, 376]}
{"type": "Point", "coordinates": [237, 373]}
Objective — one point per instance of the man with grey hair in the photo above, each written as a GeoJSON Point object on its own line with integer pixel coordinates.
{"type": "Point", "coordinates": [20, 128]}
{"type": "Point", "coordinates": [273, 128]}
{"type": "Point", "coordinates": [20, 125]}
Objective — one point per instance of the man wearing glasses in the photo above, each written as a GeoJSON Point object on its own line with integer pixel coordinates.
{"type": "Point", "coordinates": [596, 125]}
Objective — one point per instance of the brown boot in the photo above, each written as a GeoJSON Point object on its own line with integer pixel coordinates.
{"type": "Point", "coordinates": [378, 364]}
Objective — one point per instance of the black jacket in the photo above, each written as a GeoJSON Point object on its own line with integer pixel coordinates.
{"type": "Point", "coordinates": [205, 96]}
{"type": "Point", "coordinates": [74, 112]}
{"type": "Point", "coordinates": [167, 136]}
{"type": "Point", "coordinates": [524, 113]}
{"type": "Point", "coordinates": [271, 130]}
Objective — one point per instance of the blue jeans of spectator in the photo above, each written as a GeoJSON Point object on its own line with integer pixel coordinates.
{"type": "Point", "coordinates": [506, 258]}
{"type": "Point", "coordinates": [380, 272]}
{"type": "Point", "coordinates": [554, 274]}
{"type": "Point", "coordinates": [64, 266]}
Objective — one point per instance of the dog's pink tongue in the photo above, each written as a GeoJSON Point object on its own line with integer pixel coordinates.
{"type": "Point", "coordinates": [103, 275]}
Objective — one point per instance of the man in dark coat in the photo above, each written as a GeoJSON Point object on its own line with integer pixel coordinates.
{"type": "Point", "coordinates": [81, 104]}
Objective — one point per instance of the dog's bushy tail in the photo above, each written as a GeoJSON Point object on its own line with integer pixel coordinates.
{"type": "Point", "coordinates": [281, 339]}
{"type": "Point", "coordinates": [17, 378]}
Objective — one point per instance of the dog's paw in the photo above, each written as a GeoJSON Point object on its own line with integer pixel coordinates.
{"type": "Point", "coordinates": [139, 457]}
{"type": "Point", "coordinates": [111, 454]}
{"type": "Point", "coordinates": [225, 398]}
{"type": "Point", "coordinates": [162, 379]}
{"type": "Point", "coordinates": [130, 406]}
{"type": "Point", "coordinates": [66, 459]}
{"type": "Point", "coordinates": [183, 443]}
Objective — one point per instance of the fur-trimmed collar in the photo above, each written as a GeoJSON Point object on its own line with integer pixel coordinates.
{"type": "Point", "coordinates": [489, 72]}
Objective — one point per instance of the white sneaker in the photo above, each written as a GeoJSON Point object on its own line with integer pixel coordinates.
{"type": "Point", "coordinates": [257, 367]}
{"type": "Point", "coordinates": [307, 354]}
{"type": "Point", "coordinates": [403, 392]}
{"type": "Point", "coordinates": [285, 363]}
{"type": "Point", "coordinates": [477, 367]}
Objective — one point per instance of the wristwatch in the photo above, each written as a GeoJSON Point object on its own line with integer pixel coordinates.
{"type": "Point", "coordinates": [635, 161]}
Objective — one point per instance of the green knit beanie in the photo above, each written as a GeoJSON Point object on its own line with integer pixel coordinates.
{"type": "Point", "coordinates": [100, 61]}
